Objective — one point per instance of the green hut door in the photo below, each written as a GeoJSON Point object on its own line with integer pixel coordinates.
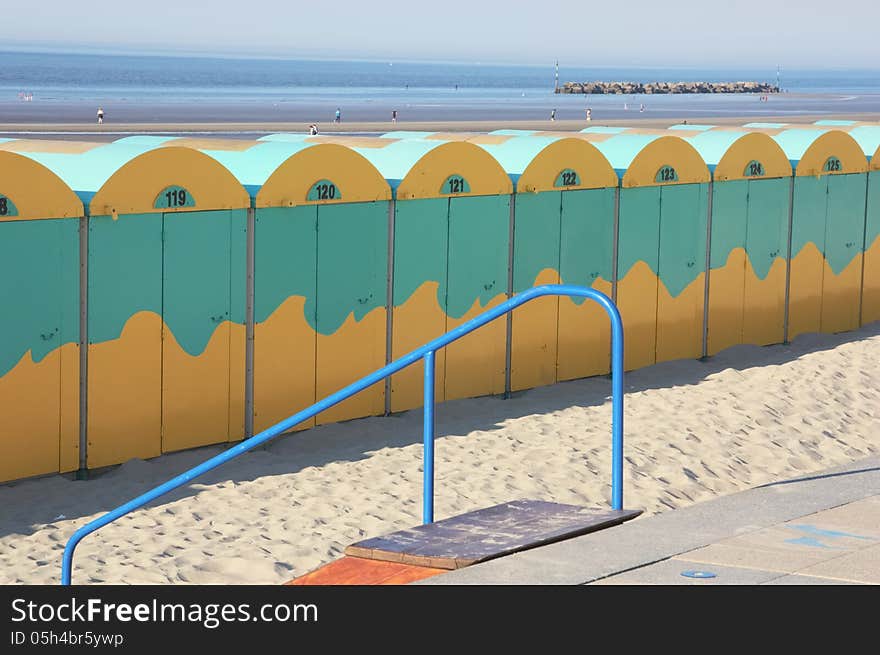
{"type": "Point", "coordinates": [766, 245]}
{"type": "Point", "coordinates": [638, 264]}
{"type": "Point", "coordinates": [682, 262]}
{"type": "Point", "coordinates": [203, 269]}
{"type": "Point", "coordinates": [125, 338]}
{"type": "Point", "coordinates": [871, 275]}
{"type": "Point", "coordinates": [844, 237]}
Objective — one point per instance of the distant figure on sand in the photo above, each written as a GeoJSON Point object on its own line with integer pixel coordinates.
{"type": "Point", "coordinates": [589, 114]}
{"type": "Point", "coordinates": [100, 115]}
{"type": "Point", "coordinates": [393, 115]}
{"type": "Point", "coordinates": [338, 118]}
{"type": "Point", "coordinates": [313, 129]}
{"type": "Point", "coordinates": [553, 115]}
{"type": "Point", "coordinates": [641, 107]}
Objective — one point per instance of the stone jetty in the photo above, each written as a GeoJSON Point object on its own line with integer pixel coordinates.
{"type": "Point", "coordinates": [632, 88]}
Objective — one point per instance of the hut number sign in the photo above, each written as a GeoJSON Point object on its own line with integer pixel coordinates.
{"type": "Point", "coordinates": [754, 169]}
{"type": "Point", "coordinates": [7, 208]}
{"type": "Point", "coordinates": [174, 197]}
{"type": "Point", "coordinates": [832, 165]}
{"type": "Point", "coordinates": [666, 174]}
{"type": "Point", "coordinates": [567, 177]}
{"type": "Point", "coordinates": [455, 184]}
{"type": "Point", "coordinates": [323, 190]}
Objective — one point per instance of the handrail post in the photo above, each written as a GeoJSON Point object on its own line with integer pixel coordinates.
{"type": "Point", "coordinates": [428, 442]}
{"type": "Point", "coordinates": [616, 406]}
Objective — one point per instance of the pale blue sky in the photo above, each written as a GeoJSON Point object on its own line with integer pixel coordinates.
{"type": "Point", "coordinates": [652, 33]}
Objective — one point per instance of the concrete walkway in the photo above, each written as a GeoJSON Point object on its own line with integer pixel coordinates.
{"type": "Point", "coordinates": [822, 528]}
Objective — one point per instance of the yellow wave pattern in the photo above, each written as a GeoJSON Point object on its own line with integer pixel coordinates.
{"type": "Point", "coordinates": [146, 395]}
{"type": "Point", "coordinates": [284, 365]}
{"type": "Point", "coordinates": [125, 393]}
{"type": "Point", "coordinates": [584, 337]}
{"type": "Point", "coordinates": [416, 321]}
{"type": "Point", "coordinates": [39, 416]}
{"type": "Point", "coordinates": [819, 300]}
{"type": "Point", "coordinates": [475, 363]}
{"type": "Point", "coordinates": [556, 339]}
{"type": "Point", "coordinates": [356, 349]}
{"type": "Point", "coordinates": [657, 326]}
{"type": "Point", "coordinates": [533, 346]}
{"type": "Point", "coordinates": [871, 289]}
{"type": "Point", "coordinates": [744, 308]}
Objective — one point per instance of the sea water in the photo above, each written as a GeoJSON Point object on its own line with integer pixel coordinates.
{"type": "Point", "coordinates": [56, 87]}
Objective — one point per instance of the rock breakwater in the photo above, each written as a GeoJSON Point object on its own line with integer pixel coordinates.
{"type": "Point", "coordinates": [632, 88]}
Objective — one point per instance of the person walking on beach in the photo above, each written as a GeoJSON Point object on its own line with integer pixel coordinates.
{"type": "Point", "coordinates": [393, 115]}
{"type": "Point", "coordinates": [313, 129]}
{"type": "Point", "coordinates": [589, 114]}
{"type": "Point", "coordinates": [338, 117]}
{"type": "Point", "coordinates": [553, 115]}
{"type": "Point", "coordinates": [100, 115]}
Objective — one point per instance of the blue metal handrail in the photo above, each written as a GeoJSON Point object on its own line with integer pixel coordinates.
{"type": "Point", "coordinates": [426, 352]}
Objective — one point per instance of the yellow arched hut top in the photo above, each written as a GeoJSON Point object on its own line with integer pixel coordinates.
{"type": "Point", "coordinates": [435, 174]}
{"type": "Point", "coordinates": [651, 160]}
{"type": "Point", "coordinates": [30, 191]}
{"type": "Point", "coordinates": [752, 156]}
{"type": "Point", "coordinates": [139, 186]}
{"type": "Point", "coordinates": [829, 152]}
{"type": "Point", "coordinates": [306, 177]}
{"type": "Point", "coordinates": [547, 170]}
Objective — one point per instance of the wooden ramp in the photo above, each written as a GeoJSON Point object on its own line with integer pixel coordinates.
{"type": "Point", "coordinates": [360, 571]}
{"type": "Point", "coordinates": [426, 550]}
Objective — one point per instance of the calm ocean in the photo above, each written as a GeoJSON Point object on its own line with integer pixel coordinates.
{"type": "Point", "coordinates": [70, 87]}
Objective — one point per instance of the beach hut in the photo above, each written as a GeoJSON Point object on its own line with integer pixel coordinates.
{"type": "Point", "coordinates": [661, 254]}
{"type": "Point", "coordinates": [748, 238]}
{"type": "Point", "coordinates": [867, 135]}
{"type": "Point", "coordinates": [871, 275]}
{"type": "Point", "coordinates": [563, 232]}
{"type": "Point", "coordinates": [40, 295]}
{"type": "Point", "coordinates": [450, 239]}
{"type": "Point", "coordinates": [166, 297]}
{"type": "Point", "coordinates": [827, 229]}
{"type": "Point", "coordinates": [320, 282]}
{"type": "Point", "coordinates": [319, 268]}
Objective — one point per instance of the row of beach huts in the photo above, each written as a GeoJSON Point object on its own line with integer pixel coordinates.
{"type": "Point", "coordinates": [163, 293]}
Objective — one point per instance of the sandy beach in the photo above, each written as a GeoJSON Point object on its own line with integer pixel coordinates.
{"type": "Point", "coordinates": [110, 131]}
{"type": "Point", "coordinates": [694, 430]}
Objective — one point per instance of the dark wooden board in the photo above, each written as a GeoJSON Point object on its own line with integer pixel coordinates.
{"type": "Point", "coordinates": [487, 533]}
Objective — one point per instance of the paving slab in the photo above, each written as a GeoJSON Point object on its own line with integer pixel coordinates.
{"type": "Point", "coordinates": [651, 539]}
{"type": "Point", "coordinates": [860, 566]}
{"type": "Point", "coordinates": [672, 572]}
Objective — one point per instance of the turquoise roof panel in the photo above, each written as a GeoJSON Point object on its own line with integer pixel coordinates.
{"type": "Point", "coordinates": [396, 159]}
{"type": "Point", "coordinates": [620, 150]}
{"type": "Point", "coordinates": [712, 146]}
{"type": "Point", "coordinates": [405, 134]}
{"type": "Point", "coordinates": [868, 138]}
{"type": "Point", "coordinates": [601, 129]}
{"type": "Point", "coordinates": [285, 136]}
{"type": "Point", "coordinates": [517, 153]}
{"type": "Point", "coordinates": [696, 128]}
{"type": "Point", "coordinates": [87, 172]}
{"type": "Point", "coordinates": [252, 167]}
{"type": "Point", "coordinates": [794, 142]}
{"type": "Point", "coordinates": [834, 122]}
{"type": "Point", "coordinates": [771, 126]}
